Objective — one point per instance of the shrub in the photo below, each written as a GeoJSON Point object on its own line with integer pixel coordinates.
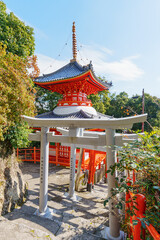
{"type": "Point", "coordinates": [142, 157]}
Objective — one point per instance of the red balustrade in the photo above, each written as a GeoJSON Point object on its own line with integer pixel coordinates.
{"type": "Point", "coordinates": [136, 203]}
{"type": "Point", "coordinates": [60, 155]}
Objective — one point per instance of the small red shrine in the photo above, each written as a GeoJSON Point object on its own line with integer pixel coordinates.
{"type": "Point", "coordinates": [75, 82]}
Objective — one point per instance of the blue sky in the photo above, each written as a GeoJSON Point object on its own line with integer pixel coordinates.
{"type": "Point", "coordinates": [121, 37]}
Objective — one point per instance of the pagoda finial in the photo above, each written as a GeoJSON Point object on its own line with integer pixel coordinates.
{"type": "Point", "coordinates": [74, 47]}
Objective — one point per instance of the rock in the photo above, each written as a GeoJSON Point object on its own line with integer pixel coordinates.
{"type": "Point", "coordinates": [12, 187]}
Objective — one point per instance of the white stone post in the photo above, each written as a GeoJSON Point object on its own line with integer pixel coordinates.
{"type": "Point", "coordinates": [113, 232]}
{"type": "Point", "coordinates": [72, 171]}
{"type": "Point", "coordinates": [43, 198]}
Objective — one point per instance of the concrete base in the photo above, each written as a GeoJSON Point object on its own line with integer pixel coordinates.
{"type": "Point", "coordinates": [47, 214]}
{"type": "Point", "coordinates": [75, 198]}
{"type": "Point", "coordinates": [106, 234]}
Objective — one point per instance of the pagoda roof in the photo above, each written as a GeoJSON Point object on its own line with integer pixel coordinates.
{"type": "Point", "coordinates": [68, 72]}
{"type": "Point", "coordinates": [77, 115]}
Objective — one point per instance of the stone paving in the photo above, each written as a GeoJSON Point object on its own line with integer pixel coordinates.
{"type": "Point", "coordinates": [71, 220]}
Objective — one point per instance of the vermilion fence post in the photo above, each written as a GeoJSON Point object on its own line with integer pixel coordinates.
{"type": "Point", "coordinates": [90, 178]}
{"type": "Point", "coordinates": [140, 204]}
{"type": "Point", "coordinates": [57, 150]}
{"type": "Point", "coordinates": [93, 166]}
{"type": "Point", "coordinates": [83, 160]}
{"type": "Point", "coordinates": [89, 168]}
{"type": "Point", "coordinates": [34, 154]}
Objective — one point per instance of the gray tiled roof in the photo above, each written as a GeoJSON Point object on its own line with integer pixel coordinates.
{"type": "Point", "coordinates": [72, 69]}
{"type": "Point", "coordinates": [80, 115]}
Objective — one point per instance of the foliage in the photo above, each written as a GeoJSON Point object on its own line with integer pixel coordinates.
{"type": "Point", "coordinates": [46, 100]}
{"type": "Point", "coordinates": [33, 66]}
{"type": "Point", "coordinates": [100, 101]}
{"type": "Point", "coordinates": [16, 92]}
{"type": "Point", "coordinates": [122, 106]}
{"type": "Point", "coordinates": [18, 135]}
{"type": "Point", "coordinates": [15, 34]}
{"type": "Point", "coordinates": [118, 105]}
{"type": "Point", "coordinates": [144, 158]}
{"type": "Point", "coordinates": [17, 66]}
{"type": "Point", "coordinates": [151, 107]}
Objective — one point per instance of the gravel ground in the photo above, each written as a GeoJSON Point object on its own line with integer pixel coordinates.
{"type": "Point", "coordinates": [71, 220]}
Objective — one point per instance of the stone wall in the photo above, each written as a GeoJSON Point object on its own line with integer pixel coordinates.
{"type": "Point", "coordinates": [12, 186]}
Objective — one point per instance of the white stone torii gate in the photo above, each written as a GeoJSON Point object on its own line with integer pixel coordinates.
{"type": "Point", "coordinates": [75, 137]}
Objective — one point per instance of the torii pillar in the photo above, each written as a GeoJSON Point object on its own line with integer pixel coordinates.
{"type": "Point", "coordinates": [113, 232]}
{"type": "Point", "coordinates": [43, 196]}
{"type": "Point", "coordinates": [44, 162]}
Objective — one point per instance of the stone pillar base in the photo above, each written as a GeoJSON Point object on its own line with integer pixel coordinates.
{"type": "Point", "coordinates": [74, 198]}
{"type": "Point", "coordinates": [47, 214]}
{"type": "Point", "coordinates": [106, 234]}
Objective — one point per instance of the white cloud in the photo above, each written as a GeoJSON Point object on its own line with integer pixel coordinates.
{"type": "Point", "coordinates": [119, 70]}
{"type": "Point", "coordinates": [124, 69]}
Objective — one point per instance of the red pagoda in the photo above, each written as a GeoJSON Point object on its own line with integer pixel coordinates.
{"type": "Point", "coordinates": [75, 82]}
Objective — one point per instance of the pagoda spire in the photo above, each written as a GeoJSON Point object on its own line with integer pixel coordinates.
{"type": "Point", "coordinates": [74, 42]}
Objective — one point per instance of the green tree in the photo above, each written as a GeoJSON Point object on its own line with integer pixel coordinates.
{"type": "Point", "coordinates": [46, 100]}
{"type": "Point", "coordinates": [151, 107]}
{"type": "Point", "coordinates": [122, 106]}
{"type": "Point", "coordinates": [100, 101]}
{"type": "Point", "coordinates": [118, 104]}
{"type": "Point", "coordinates": [15, 34]}
{"type": "Point", "coordinates": [16, 99]}
{"type": "Point", "coordinates": [17, 95]}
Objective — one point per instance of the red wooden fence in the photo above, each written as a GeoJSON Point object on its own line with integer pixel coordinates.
{"type": "Point", "coordinates": [60, 155]}
{"type": "Point", "coordinates": [137, 204]}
